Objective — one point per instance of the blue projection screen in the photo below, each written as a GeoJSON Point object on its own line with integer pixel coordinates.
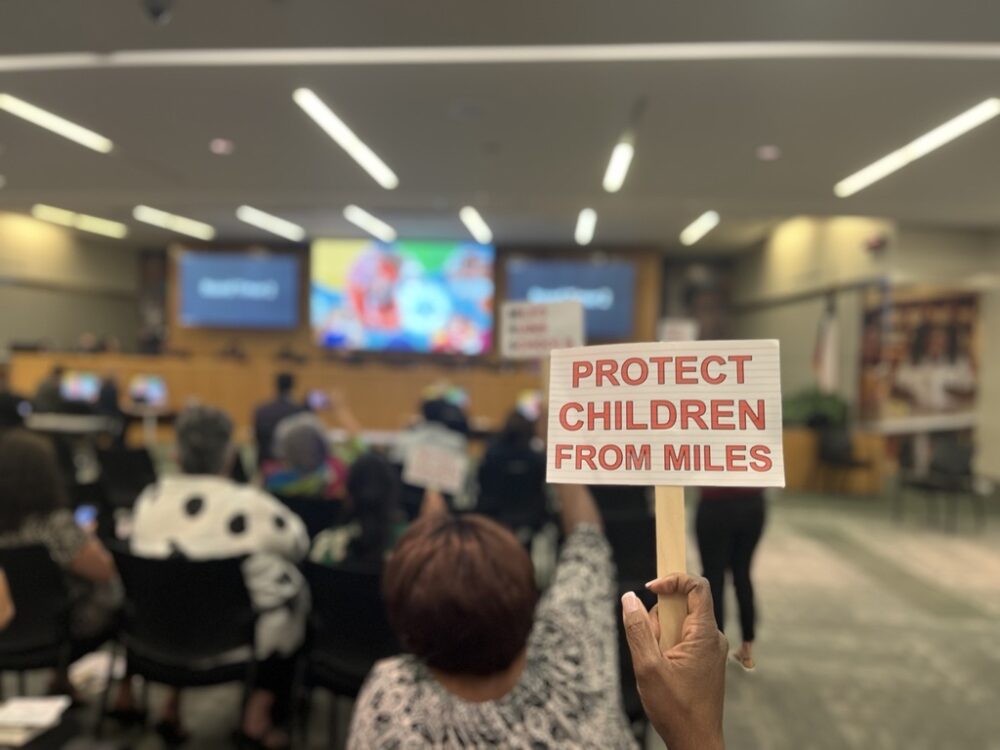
{"type": "Point", "coordinates": [604, 289]}
{"type": "Point", "coordinates": [238, 290]}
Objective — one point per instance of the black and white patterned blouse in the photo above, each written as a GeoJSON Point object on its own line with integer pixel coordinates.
{"type": "Point", "coordinates": [568, 695]}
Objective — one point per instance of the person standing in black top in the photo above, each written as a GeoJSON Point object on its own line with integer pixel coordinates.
{"type": "Point", "coordinates": [729, 524]}
{"type": "Point", "coordinates": [267, 416]}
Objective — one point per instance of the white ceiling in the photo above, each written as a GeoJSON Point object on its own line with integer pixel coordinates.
{"type": "Point", "coordinates": [527, 143]}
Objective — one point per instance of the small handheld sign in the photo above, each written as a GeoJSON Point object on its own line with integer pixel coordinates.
{"type": "Point", "coordinates": [436, 462]}
{"type": "Point", "coordinates": [668, 414]}
{"type": "Point", "coordinates": [530, 330]}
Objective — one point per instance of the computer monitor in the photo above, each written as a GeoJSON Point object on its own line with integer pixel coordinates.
{"type": "Point", "coordinates": [148, 390]}
{"type": "Point", "coordinates": [80, 386]}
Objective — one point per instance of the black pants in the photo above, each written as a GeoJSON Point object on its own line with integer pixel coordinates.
{"type": "Point", "coordinates": [277, 675]}
{"type": "Point", "coordinates": [728, 530]}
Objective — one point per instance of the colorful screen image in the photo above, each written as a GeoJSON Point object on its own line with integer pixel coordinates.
{"type": "Point", "coordinates": [80, 386]}
{"type": "Point", "coordinates": [238, 290]}
{"type": "Point", "coordinates": [148, 390]}
{"type": "Point", "coordinates": [405, 296]}
{"type": "Point", "coordinates": [606, 291]}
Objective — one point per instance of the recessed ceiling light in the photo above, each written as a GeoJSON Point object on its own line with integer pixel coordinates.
{"type": "Point", "coordinates": [270, 223]}
{"type": "Point", "coordinates": [768, 152]}
{"type": "Point", "coordinates": [83, 222]}
{"type": "Point", "coordinates": [586, 222]}
{"type": "Point", "coordinates": [960, 125]}
{"type": "Point", "coordinates": [334, 127]}
{"type": "Point", "coordinates": [699, 227]}
{"type": "Point", "coordinates": [618, 164]}
{"type": "Point", "coordinates": [173, 222]}
{"type": "Point", "coordinates": [55, 123]}
{"type": "Point", "coordinates": [221, 146]}
{"type": "Point", "coordinates": [476, 226]}
{"type": "Point", "coordinates": [371, 224]}
{"type": "Point", "coordinates": [3, 182]}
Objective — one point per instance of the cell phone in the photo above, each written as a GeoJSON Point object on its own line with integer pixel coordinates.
{"type": "Point", "coordinates": [85, 516]}
{"type": "Point", "coordinates": [317, 399]}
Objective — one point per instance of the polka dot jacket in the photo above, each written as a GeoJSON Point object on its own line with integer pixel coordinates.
{"type": "Point", "coordinates": [207, 517]}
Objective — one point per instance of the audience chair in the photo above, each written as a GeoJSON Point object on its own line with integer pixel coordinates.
{"type": "Point", "coordinates": [186, 623]}
{"type": "Point", "coordinates": [949, 479]}
{"type": "Point", "coordinates": [125, 473]}
{"type": "Point", "coordinates": [38, 636]}
{"type": "Point", "coordinates": [349, 631]}
{"type": "Point", "coordinates": [835, 452]}
{"type": "Point", "coordinates": [317, 513]}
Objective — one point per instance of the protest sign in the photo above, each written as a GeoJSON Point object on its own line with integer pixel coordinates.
{"type": "Point", "coordinates": [667, 414]}
{"type": "Point", "coordinates": [435, 459]}
{"type": "Point", "coordinates": [530, 330]}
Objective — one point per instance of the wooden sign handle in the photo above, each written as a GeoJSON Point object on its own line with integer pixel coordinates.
{"type": "Point", "coordinates": [671, 557]}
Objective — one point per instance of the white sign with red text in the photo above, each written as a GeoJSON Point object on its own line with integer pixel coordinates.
{"type": "Point", "coordinates": [704, 413]}
{"type": "Point", "coordinates": [438, 464]}
{"type": "Point", "coordinates": [530, 330]}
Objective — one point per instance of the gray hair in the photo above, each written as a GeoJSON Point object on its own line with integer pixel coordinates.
{"type": "Point", "coordinates": [300, 441]}
{"type": "Point", "coordinates": [203, 435]}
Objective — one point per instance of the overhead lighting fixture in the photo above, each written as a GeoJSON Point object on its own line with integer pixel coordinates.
{"type": "Point", "coordinates": [3, 182]}
{"type": "Point", "coordinates": [972, 118]}
{"type": "Point", "coordinates": [58, 125]}
{"type": "Point", "coordinates": [221, 146]}
{"type": "Point", "coordinates": [478, 228]}
{"type": "Point", "coordinates": [270, 223]}
{"type": "Point", "coordinates": [768, 152]}
{"type": "Point", "coordinates": [618, 164]}
{"type": "Point", "coordinates": [699, 227]}
{"type": "Point", "coordinates": [173, 222]}
{"type": "Point", "coordinates": [374, 226]}
{"type": "Point", "coordinates": [83, 222]}
{"type": "Point", "coordinates": [334, 127]}
{"type": "Point", "coordinates": [586, 222]}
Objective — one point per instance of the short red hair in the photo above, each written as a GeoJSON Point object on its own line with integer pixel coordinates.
{"type": "Point", "coordinates": [460, 593]}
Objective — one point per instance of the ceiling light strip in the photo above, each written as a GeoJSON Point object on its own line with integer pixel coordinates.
{"type": "Point", "coordinates": [344, 137]}
{"type": "Point", "coordinates": [83, 222]}
{"type": "Point", "coordinates": [618, 165]}
{"type": "Point", "coordinates": [586, 223]}
{"type": "Point", "coordinates": [931, 141]}
{"type": "Point", "coordinates": [270, 223]}
{"type": "Point", "coordinates": [371, 224]}
{"type": "Point", "coordinates": [173, 222]}
{"type": "Point", "coordinates": [698, 228]}
{"type": "Point", "coordinates": [55, 124]}
{"type": "Point", "coordinates": [477, 227]}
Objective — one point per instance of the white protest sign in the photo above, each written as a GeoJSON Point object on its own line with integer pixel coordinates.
{"type": "Point", "coordinates": [530, 330]}
{"type": "Point", "coordinates": [677, 329]}
{"type": "Point", "coordinates": [702, 413]}
{"type": "Point", "coordinates": [437, 462]}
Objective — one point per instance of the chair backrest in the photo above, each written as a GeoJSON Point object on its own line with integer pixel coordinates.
{"type": "Point", "coordinates": [184, 610]}
{"type": "Point", "coordinates": [835, 445]}
{"type": "Point", "coordinates": [125, 473]}
{"type": "Point", "coordinates": [317, 513]}
{"type": "Point", "coordinates": [348, 613]}
{"type": "Point", "coordinates": [952, 458]}
{"type": "Point", "coordinates": [41, 602]}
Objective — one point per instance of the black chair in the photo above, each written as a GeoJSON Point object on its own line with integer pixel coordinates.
{"type": "Point", "coordinates": [348, 632]}
{"type": "Point", "coordinates": [949, 478]}
{"type": "Point", "coordinates": [317, 513]}
{"type": "Point", "coordinates": [835, 451]}
{"type": "Point", "coordinates": [125, 473]}
{"type": "Point", "coordinates": [38, 636]}
{"type": "Point", "coordinates": [186, 623]}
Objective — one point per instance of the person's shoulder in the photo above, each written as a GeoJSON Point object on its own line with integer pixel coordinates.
{"type": "Point", "coordinates": [401, 671]}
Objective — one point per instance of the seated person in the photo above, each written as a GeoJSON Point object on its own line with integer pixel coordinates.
{"type": "Point", "coordinates": [487, 668]}
{"type": "Point", "coordinates": [512, 476]}
{"type": "Point", "coordinates": [201, 514]}
{"type": "Point", "coordinates": [34, 509]}
{"type": "Point", "coordinates": [48, 397]}
{"type": "Point", "coordinates": [374, 519]}
{"type": "Point", "coordinates": [304, 463]}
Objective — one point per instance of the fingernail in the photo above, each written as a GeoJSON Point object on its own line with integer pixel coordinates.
{"type": "Point", "coordinates": [650, 583]}
{"type": "Point", "coordinates": [630, 602]}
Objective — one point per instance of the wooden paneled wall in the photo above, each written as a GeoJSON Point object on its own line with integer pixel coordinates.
{"type": "Point", "coordinates": [383, 395]}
